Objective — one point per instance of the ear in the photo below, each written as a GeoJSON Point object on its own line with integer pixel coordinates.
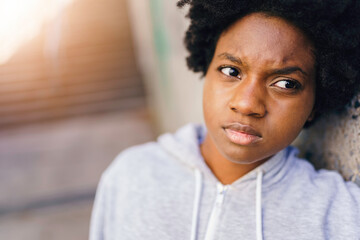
{"type": "Point", "coordinates": [312, 115]}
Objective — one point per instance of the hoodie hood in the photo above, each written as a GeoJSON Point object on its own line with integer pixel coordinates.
{"type": "Point", "coordinates": [184, 144]}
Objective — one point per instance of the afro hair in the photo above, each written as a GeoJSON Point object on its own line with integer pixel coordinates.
{"type": "Point", "coordinates": [333, 26]}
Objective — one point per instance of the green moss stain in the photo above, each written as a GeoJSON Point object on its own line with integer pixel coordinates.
{"type": "Point", "coordinates": [161, 42]}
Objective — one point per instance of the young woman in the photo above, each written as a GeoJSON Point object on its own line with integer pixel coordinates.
{"type": "Point", "coordinates": [270, 67]}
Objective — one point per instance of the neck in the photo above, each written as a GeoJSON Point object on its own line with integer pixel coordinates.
{"type": "Point", "coordinates": [224, 170]}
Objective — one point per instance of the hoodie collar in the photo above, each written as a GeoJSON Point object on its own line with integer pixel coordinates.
{"type": "Point", "coordinates": [184, 145]}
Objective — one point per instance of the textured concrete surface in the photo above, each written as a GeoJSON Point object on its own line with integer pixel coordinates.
{"type": "Point", "coordinates": [334, 142]}
{"type": "Point", "coordinates": [49, 171]}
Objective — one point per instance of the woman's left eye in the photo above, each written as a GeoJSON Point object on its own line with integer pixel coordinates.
{"type": "Point", "coordinates": [230, 71]}
{"type": "Point", "coordinates": [288, 84]}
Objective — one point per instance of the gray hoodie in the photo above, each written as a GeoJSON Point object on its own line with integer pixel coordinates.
{"type": "Point", "coordinates": [164, 190]}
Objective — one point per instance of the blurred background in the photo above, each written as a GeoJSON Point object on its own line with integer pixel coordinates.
{"type": "Point", "coordinates": [80, 80]}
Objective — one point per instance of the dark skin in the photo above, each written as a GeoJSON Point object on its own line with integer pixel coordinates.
{"type": "Point", "coordinates": [259, 91]}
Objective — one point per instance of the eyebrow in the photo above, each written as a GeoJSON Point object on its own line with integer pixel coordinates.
{"type": "Point", "coordinates": [231, 58]}
{"type": "Point", "coordinates": [284, 71]}
{"type": "Point", "coordinates": [289, 70]}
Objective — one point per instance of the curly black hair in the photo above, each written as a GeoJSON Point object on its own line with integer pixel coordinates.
{"type": "Point", "coordinates": [333, 26]}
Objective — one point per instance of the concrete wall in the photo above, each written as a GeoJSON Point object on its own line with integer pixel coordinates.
{"type": "Point", "coordinates": [334, 142]}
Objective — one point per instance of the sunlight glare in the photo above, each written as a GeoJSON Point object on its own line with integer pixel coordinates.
{"type": "Point", "coordinates": [21, 20]}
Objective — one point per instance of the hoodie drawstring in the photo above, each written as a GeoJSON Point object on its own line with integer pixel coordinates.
{"type": "Point", "coordinates": [195, 216]}
{"type": "Point", "coordinates": [196, 206]}
{"type": "Point", "coordinates": [259, 234]}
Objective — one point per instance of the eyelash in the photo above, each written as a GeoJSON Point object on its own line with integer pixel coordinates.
{"type": "Point", "coordinates": [296, 84]}
{"type": "Point", "coordinates": [221, 69]}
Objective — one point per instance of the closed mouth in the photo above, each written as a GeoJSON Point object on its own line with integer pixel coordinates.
{"type": "Point", "coordinates": [245, 129]}
{"type": "Point", "coordinates": [242, 134]}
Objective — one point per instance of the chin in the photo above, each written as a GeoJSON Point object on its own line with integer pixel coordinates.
{"type": "Point", "coordinates": [241, 157]}
{"type": "Point", "coordinates": [242, 162]}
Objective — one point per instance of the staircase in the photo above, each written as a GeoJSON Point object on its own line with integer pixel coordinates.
{"type": "Point", "coordinates": [93, 69]}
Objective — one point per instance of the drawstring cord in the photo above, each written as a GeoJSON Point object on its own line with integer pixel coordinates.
{"type": "Point", "coordinates": [195, 216]}
{"type": "Point", "coordinates": [259, 234]}
{"type": "Point", "coordinates": [196, 206]}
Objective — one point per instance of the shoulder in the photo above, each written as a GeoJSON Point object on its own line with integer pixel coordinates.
{"type": "Point", "coordinates": [323, 179]}
{"type": "Point", "coordinates": [326, 189]}
{"type": "Point", "coordinates": [301, 179]}
{"type": "Point", "coordinates": [319, 202]}
{"type": "Point", "coordinates": [135, 161]}
{"type": "Point", "coordinates": [318, 198]}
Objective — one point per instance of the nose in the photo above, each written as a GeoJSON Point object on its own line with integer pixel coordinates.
{"type": "Point", "coordinates": [248, 98]}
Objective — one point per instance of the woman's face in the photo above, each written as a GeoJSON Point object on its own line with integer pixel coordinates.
{"type": "Point", "coordinates": [259, 88]}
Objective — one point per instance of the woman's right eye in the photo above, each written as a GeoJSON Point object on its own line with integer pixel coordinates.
{"type": "Point", "coordinates": [230, 71]}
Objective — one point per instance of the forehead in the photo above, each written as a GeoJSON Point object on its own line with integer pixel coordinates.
{"type": "Point", "coordinates": [270, 39]}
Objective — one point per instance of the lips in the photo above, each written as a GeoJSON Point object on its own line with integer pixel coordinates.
{"type": "Point", "coordinates": [242, 134]}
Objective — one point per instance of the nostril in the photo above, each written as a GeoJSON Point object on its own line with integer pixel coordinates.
{"type": "Point", "coordinates": [257, 115]}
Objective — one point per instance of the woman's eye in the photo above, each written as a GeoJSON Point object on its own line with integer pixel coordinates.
{"type": "Point", "coordinates": [288, 84]}
{"type": "Point", "coordinates": [230, 71]}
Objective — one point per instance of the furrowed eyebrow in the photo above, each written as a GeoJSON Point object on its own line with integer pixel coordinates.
{"type": "Point", "coordinates": [289, 70]}
{"type": "Point", "coordinates": [231, 58]}
{"type": "Point", "coordinates": [282, 71]}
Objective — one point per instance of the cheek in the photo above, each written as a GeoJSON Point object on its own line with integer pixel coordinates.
{"type": "Point", "coordinates": [216, 92]}
{"type": "Point", "coordinates": [208, 107]}
{"type": "Point", "coordinates": [214, 102]}
{"type": "Point", "coordinates": [209, 94]}
{"type": "Point", "coordinates": [290, 116]}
